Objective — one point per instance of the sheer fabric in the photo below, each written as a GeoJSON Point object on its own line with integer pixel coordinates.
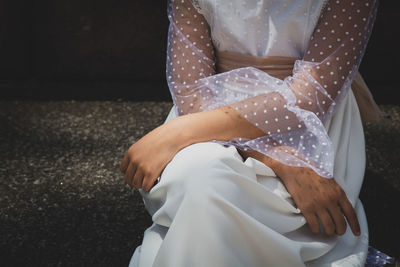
{"type": "Point", "coordinates": [291, 112]}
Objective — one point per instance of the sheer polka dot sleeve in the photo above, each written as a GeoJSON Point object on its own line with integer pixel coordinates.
{"type": "Point", "coordinates": [190, 55]}
{"type": "Point", "coordinates": [292, 111]}
{"type": "Point", "coordinates": [323, 77]}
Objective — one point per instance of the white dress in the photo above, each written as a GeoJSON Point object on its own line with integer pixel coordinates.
{"type": "Point", "coordinates": [211, 208]}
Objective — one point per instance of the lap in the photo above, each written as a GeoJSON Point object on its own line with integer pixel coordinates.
{"type": "Point", "coordinates": [208, 163]}
{"type": "Point", "coordinates": [210, 171]}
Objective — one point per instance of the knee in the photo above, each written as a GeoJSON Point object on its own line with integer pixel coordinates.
{"type": "Point", "coordinates": [199, 168]}
{"type": "Point", "coordinates": [198, 177]}
{"type": "Point", "coordinates": [192, 160]}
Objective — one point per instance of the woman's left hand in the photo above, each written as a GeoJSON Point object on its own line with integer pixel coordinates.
{"type": "Point", "coordinates": [147, 158]}
{"type": "Point", "coordinates": [318, 198]}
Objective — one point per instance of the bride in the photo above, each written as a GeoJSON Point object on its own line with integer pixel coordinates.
{"type": "Point", "coordinates": [262, 157]}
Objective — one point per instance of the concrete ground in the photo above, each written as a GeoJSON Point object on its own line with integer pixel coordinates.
{"type": "Point", "coordinates": [63, 201]}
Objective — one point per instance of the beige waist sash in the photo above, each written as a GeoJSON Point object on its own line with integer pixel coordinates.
{"type": "Point", "coordinates": [281, 67]}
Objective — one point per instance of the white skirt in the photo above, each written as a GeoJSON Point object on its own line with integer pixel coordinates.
{"type": "Point", "coordinates": [211, 208]}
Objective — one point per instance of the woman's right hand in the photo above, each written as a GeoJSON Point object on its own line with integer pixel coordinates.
{"type": "Point", "coordinates": [317, 197]}
{"type": "Point", "coordinates": [145, 160]}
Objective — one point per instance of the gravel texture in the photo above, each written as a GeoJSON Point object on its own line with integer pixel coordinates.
{"type": "Point", "coordinates": [63, 201]}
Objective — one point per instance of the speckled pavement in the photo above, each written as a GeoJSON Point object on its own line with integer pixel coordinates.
{"type": "Point", "coordinates": [63, 201]}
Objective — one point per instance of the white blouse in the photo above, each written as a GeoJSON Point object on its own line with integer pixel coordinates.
{"type": "Point", "coordinates": [262, 27]}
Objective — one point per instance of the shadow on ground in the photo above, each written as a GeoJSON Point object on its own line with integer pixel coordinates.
{"type": "Point", "coordinates": [63, 201]}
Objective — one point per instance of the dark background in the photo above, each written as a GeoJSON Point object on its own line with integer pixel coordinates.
{"type": "Point", "coordinates": [110, 49]}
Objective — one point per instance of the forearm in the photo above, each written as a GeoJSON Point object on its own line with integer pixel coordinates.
{"type": "Point", "coordinates": [224, 124]}
{"type": "Point", "coordinates": [221, 124]}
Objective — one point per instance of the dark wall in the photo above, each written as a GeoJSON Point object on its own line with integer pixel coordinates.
{"type": "Point", "coordinates": [15, 39]}
{"type": "Point", "coordinates": [380, 65]}
{"type": "Point", "coordinates": [83, 49]}
{"type": "Point", "coordinates": [88, 49]}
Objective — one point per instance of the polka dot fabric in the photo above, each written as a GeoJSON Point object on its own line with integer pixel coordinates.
{"type": "Point", "coordinates": [292, 111]}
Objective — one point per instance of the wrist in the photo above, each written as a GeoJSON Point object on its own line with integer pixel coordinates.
{"type": "Point", "coordinates": [279, 168]}
{"type": "Point", "coordinates": [184, 132]}
{"type": "Point", "coordinates": [275, 165]}
{"type": "Point", "coordinates": [200, 127]}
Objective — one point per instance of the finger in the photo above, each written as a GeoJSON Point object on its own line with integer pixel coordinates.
{"type": "Point", "coordinates": [338, 218]}
{"type": "Point", "coordinates": [148, 182]}
{"type": "Point", "coordinates": [138, 178]}
{"type": "Point", "coordinates": [130, 171]}
{"type": "Point", "coordinates": [326, 221]}
{"type": "Point", "coordinates": [351, 216]}
{"type": "Point", "coordinates": [125, 163]}
{"type": "Point", "coordinates": [152, 180]}
{"type": "Point", "coordinates": [312, 221]}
